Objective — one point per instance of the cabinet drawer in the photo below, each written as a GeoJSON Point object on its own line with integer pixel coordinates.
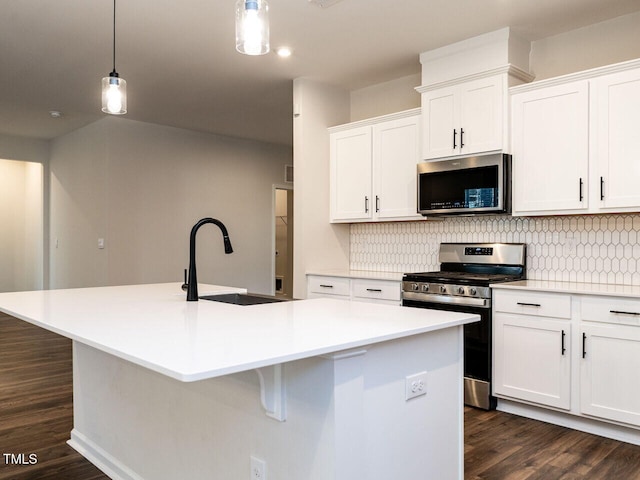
{"type": "Point", "coordinates": [376, 289]}
{"type": "Point", "coordinates": [329, 285]}
{"type": "Point", "coordinates": [622, 311]}
{"type": "Point", "coordinates": [539, 304]}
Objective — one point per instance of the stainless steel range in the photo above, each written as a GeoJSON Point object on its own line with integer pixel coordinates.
{"type": "Point", "coordinates": [462, 284]}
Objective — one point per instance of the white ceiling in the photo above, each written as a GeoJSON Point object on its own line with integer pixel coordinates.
{"type": "Point", "coordinates": [181, 67]}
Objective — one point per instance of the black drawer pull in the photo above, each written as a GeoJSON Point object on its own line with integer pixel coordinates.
{"type": "Point", "coordinates": [529, 304]}
{"type": "Point", "coordinates": [601, 188]}
{"type": "Point", "coordinates": [454, 138]}
{"type": "Point", "coordinates": [620, 312]}
{"type": "Point", "coordinates": [461, 137]}
{"type": "Point", "coordinates": [374, 290]}
{"type": "Point", "coordinates": [326, 286]}
{"type": "Point", "coordinates": [563, 347]}
{"type": "Point", "coordinates": [584, 345]}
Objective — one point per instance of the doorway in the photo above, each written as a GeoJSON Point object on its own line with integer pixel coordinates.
{"type": "Point", "coordinates": [22, 220]}
{"type": "Point", "coordinates": [283, 242]}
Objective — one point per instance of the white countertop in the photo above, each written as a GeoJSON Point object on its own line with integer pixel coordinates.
{"type": "Point", "coordinates": [155, 327]}
{"type": "Point", "coordinates": [571, 287]}
{"type": "Point", "coordinates": [364, 274]}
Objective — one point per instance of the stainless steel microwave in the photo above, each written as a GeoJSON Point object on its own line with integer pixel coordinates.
{"type": "Point", "coordinates": [465, 186]}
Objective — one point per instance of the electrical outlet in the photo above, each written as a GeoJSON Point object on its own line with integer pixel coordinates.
{"type": "Point", "coordinates": [258, 469]}
{"type": "Point", "coordinates": [415, 385]}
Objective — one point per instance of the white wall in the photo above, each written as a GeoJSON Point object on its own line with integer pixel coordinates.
{"type": "Point", "coordinates": [21, 218]}
{"type": "Point", "coordinates": [26, 232]}
{"type": "Point", "coordinates": [142, 187]}
{"type": "Point", "coordinates": [317, 243]}
{"type": "Point", "coordinates": [388, 97]}
{"type": "Point", "coordinates": [604, 43]}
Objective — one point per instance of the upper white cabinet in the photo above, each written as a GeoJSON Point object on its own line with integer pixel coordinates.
{"type": "Point", "coordinates": [373, 169]}
{"type": "Point", "coordinates": [466, 118]}
{"type": "Point", "coordinates": [573, 143]}
{"type": "Point", "coordinates": [616, 106]}
{"type": "Point", "coordinates": [550, 146]}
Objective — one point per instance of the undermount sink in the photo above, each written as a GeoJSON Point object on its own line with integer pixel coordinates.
{"type": "Point", "coordinates": [243, 298]}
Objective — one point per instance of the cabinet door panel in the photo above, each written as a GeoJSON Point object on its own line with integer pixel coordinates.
{"type": "Point", "coordinates": [610, 378]}
{"type": "Point", "coordinates": [481, 116]}
{"type": "Point", "coordinates": [618, 139]}
{"type": "Point", "coordinates": [532, 360]}
{"type": "Point", "coordinates": [351, 174]}
{"type": "Point", "coordinates": [396, 154]}
{"type": "Point", "coordinates": [439, 112]}
{"type": "Point", "coordinates": [551, 148]}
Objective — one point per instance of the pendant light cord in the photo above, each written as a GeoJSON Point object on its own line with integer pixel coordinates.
{"type": "Point", "coordinates": [114, 36]}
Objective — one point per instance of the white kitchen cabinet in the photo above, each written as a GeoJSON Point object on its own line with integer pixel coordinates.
{"type": "Point", "coordinates": [550, 146]}
{"type": "Point", "coordinates": [373, 169]}
{"type": "Point", "coordinates": [466, 118]}
{"type": "Point", "coordinates": [357, 289]}
{"type": "Point", "coordinates": [327, 286]}
{"type": "Point", "coordinates": [351, 174]}
{"type": "Point", "coordinates": [532, 351]}
{"type": "Point", "coordinates": [616, 107]}
{"type": "Point", "coordinates": [610, 363]}
{"type": "Point", "coordinates": [574, 143]}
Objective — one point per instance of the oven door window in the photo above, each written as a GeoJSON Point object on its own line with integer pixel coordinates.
{"type": "Point", "coordinates": [470, 188]}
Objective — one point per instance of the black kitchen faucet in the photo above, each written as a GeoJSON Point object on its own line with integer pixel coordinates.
{"type": "Point", "coordinates": [192, 282]}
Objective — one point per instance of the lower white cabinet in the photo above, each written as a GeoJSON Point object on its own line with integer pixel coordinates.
{"type": "Point", "coordinates": [356, 289]}
{"type": "Point", "coordinates": [532, 359]}
{"type": "Point", "coordinates": [574, 352]}
{"type": "Point", "coordinates": [532, 351]}
{"type": "Point", "coordinates": [610, 359]}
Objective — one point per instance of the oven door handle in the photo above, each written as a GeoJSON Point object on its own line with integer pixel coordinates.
{"type": "Point", "coordinates": [447, 299]}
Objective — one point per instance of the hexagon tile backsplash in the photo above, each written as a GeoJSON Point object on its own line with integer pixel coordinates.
{"type": "Point", "coordinates": [585, 248]}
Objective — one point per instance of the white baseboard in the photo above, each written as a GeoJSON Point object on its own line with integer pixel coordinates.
{"type": "Point", "coordinates": [109, 465]}
{"type": "Point", "coordinates": [583, 424]}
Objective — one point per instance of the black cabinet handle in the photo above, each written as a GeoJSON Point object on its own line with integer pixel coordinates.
{"type": "Point", "coordinates": [326, 286]}
{"type": "Point", "coordinates": [563, 347]}
{"type": "Point", "coordinates": [454, 138]}
{"type": "Point", "coordinates": [581, 196]}
{"type": "Point", "coordinates": [366, 204]}
{"type": "Point", "coordinates": [601, 188]}
{"type": "Point", "coordinates": [529, 304]}
{"type": "Point", "coordinates": [374, 290]}
{"type": "Point", "coordinates": [584, 345]}
{"type": "Point", "coordinates": [620, 312]}
{"type": "Point", "coordinates": [461, 137]}
{"type": "Point", "coordinates": [377, 203]}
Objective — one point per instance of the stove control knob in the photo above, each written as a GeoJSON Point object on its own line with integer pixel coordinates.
{"type": "Point", "coordinates": [443, 289]}
{"type": "Point", "coordinates": [425, 287]}
{"type": "Point", "coordinates": [415, 287]}
{"type": "Point", "coordinates": [472, 291]}
{"type": "Point", "coordinates": [460, 290]}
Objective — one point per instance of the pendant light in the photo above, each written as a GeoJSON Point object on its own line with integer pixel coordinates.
{"type": "Point", "coordinates": [114, 88]}
{"type": "Point", "coordinates": [252, 27]}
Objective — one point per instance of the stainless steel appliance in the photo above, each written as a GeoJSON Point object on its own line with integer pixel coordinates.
{"type": "Point", "coordinates": [462, 284]}
{"type": "Point", "coordinates": [469, 185]}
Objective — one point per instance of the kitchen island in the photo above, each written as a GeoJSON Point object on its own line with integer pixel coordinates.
{"type": "Point", "coordinates": [312, 389]}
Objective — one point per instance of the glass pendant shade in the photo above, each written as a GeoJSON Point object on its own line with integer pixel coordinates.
{"type": "Point", "coordinates": [114, 94]}
{"type": "Point", "coordinates": [252, 27]}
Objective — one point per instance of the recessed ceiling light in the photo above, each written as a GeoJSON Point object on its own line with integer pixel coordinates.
{"type": "Point", "coordinates": [55, 114]}
{"type": "Point", "coordinates": [284, 52]}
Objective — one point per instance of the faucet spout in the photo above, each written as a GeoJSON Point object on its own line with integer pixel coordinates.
{"type": "Point", "coordinates": [192, 282]}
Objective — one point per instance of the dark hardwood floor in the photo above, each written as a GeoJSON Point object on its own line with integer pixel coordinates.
{"type": "Point", "coordinates": [36, 417]}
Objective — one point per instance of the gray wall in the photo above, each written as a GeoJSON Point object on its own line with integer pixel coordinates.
{"type": "Point", "coordinates": [141, 187]}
